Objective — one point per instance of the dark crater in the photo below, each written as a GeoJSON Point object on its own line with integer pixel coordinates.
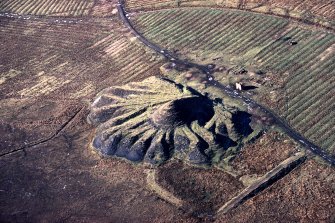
{"type": "Point", "coordinates": [183, 112]}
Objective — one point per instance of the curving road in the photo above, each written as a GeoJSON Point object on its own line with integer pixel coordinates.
{"type": "Point", "coordinates": [208, 70]}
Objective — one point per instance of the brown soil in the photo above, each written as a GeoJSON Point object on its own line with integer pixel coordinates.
{"type": "Point", "coordinates": [49, 173]}
{"type": "Point", "coordinates": [68, 61]}
{"type": "Point", "coordinates": [27, 123]}
{"type": "Point", "coordinates": [306, 195]}
{"type": "Point", "coordinates": [51, 71]}
{"type": "Point", "coordinates": [203, 190]}
{"type": "Point", "coordinates": [270, 149]}
{"type": "Point", "coordinates": [63, 181]}
{"type": "Point", "coordinates": [103, 8]}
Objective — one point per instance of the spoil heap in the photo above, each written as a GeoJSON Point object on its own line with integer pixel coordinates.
{"type": "Point", "coordinates": [157, 119]}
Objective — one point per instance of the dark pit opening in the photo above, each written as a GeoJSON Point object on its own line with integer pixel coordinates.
{"type": "Point", "coordinates": [241, 122]}
{"type": "Point", "coordinates": [248, 87]}
{"type": "Point", "coordinates": [184, 111]}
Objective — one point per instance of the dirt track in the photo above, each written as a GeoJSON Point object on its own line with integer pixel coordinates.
{"type": "Point", "coordinates": [49, 173]}
{"type": "Point", "coordinates": [232, 93]}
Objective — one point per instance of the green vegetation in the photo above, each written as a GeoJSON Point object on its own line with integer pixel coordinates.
{"type": "Point", "coordinates": [135, 4]}
{"type": "Point", "coordinates": [155, 120]}
{"type": "Point", "coordinates": [47, 7]}
{"type": "Point", "coordinates": [309, 11]}
{"type": "Point", "coordinates": [303, 58]}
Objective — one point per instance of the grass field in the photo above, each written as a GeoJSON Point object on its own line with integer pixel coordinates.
{"type": "Point", "coordinates": [317, 12]}
{"type": "Point", "coordinates": [48, 7]}
{"type": "Point", "coordinates": [324, 8]}
{"type": "Point", "coordinates": [133, 4]}
{"type": "Point", "coordinates": [51, 69]}
{"type": "Point", "coordinates": [54, 60]}
{"type": "Point", "coordinates": [272, 44]}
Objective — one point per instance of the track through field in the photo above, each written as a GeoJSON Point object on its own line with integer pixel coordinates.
{"type": "Point", "coordinates": [274, 52]}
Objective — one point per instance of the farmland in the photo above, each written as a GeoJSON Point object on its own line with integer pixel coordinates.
{"type": "Point", "coordinates": [50, 8]}
{"type": "Point", "coordinates": [318, 12]}
{"type": "Point", "coordinates": [322, 8]}
{"type": "Point", "coordinates": [60, 47]}
{"type": "Point", "coordinates": [306, 69]}
{"type": "Point", "coordinates": [61, 63]}
{"type": "Point", "coordinates": [56, 56]}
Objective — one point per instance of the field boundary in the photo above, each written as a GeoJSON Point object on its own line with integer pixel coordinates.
{"type": "Point", "coordinates": [323, 25]}
{"type": "Point", "coordinates": [228, 91]}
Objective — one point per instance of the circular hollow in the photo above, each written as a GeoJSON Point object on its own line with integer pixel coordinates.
{"type": "Point", "coordinates": [183, 112]}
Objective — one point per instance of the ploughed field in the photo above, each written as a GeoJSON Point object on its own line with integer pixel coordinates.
{"type": "Point", "coordinates": [321, 12]}
{"type": "Point", "coordinates": [323, 7]}
{"type": "Point", "coordinates": [57, 55]}
{"type": "Point", "coordinates": [300, 57]}
{"type": "Point", "coordinates": [49, 7]}
{"type": "Point", "coordinates": [46, 62]}
{"type": "Point", "coordinates": [56, 58]}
